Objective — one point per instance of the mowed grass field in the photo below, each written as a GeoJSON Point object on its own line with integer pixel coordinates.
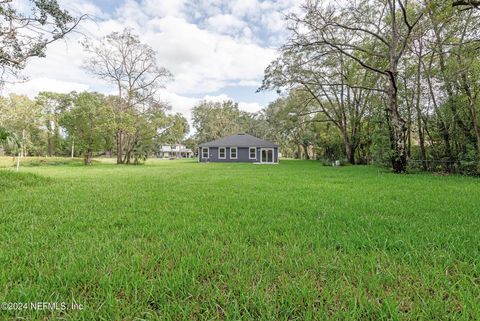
{"type": "Point", "coordinates": [178, 240]}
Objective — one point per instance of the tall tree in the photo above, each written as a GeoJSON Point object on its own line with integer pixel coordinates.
{"type": "Point", "coordinates": [213, 120]}
{"type": "Point", "coordinates": [52, 105]}
{"type": "Point", "coordinates": [291, 120]}
{"type": "Point", "coordinates": [131, 66]}
{"type": "Point", "coordinates": [339, 88]}
{"type": "Point", "coordinates": [147, 126]}
{"type": "Point", "coordinates": [90, 121]}
{"type": "Point", "coordinates": [375, 35]}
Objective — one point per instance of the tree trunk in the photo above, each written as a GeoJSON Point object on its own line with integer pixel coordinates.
{"type": "Point", "coordinates": [127, 158]}
{"type": "Point", "coordinates": [473, 113]}
{"type": "Point", "coordinates": [351, 154]}
{"type": "Point", "coordinates": [409, 132]}
{"type": "Point", "coordinates": [448, 147]}
{"type": "Point", "coordinates": [349, 150]}
{"type": "Point", "coordinates": [87, 160]}
{"type": "Point", "coordinates": [421, 138]}
{"type": "Point", "coordinates": [421, 135]}
{"type": "Point", "coordinates": [348, 145]}
{"type": "Point", "coordinates": [118, 138]}
{"type": "Point", "coordinates": [49, 139]}
{"type": "Point", "coordinates": [398, 124]}
{"type": "Point", "coordinates": [305, 149]}
{"type": "Point", "coordinates": [73, 149]}
{"type": "Point", "coordinates": [398, 130]}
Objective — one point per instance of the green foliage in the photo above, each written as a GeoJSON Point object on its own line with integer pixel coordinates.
{"type": "Point", "coordinates": [21, 117]}
{"type": "Point", "coordinates": [176, 131]}
{"type": "Point", "coordinates": [8, 139]}
{"type": "Point", "coordinates": [26, 32]}
{"type": "Point", "coordinates": [52, 106]}
{"type": "Point", "coordinates": [380, 149]}
{"type": "Point", "coordinates": [90, 122]}
{"type": "Point", "coordinates": [398, 80]}
{"type": "Point", "coordinates": [294, 241]}
{"type": "Point", "coordinates": [213, 120]}
{"type": "Point", "coordinates": [291, 122]}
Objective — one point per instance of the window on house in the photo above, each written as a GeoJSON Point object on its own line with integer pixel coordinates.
{"type": "Point", "coordinates": [222, 152]}
{"type": "Point", "coordinates": [233, 152]}
{"type": "Point", "coordinates": [205, 152]}
{"type": "Point", "coordinates": [252, 152]}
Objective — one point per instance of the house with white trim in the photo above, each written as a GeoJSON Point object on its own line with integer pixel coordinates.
{"type": "Point", "coordinates": [239, 148]}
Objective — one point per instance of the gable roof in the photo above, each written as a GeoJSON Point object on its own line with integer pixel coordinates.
{"type": "Point", "coordinates": [239, 140]}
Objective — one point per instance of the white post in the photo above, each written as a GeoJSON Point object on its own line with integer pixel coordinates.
{"type": "Point", "coordinates": [73, 148]}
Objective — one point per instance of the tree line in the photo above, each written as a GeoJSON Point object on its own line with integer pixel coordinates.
{"type": "Point", "coordinates": [85, 124]}
{"type": "Point", "coordinates": [398, 80]}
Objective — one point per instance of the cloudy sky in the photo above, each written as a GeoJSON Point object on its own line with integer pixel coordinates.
{"type": "Point", "coordinates": [216, 49]}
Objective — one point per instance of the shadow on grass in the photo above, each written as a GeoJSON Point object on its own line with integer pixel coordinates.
{"type": "Point", "coordinates": [11, 180]}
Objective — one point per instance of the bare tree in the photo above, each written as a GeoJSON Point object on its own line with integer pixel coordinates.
{"type": "Point", "coordinates": [131, 66]}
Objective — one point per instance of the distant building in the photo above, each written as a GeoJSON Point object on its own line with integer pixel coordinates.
{"type": "Point", "coordinates": [239, 148]}
{"type": "Point", "coordinates": [174, 151]}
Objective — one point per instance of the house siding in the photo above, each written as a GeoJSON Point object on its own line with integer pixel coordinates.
{"type": "Point", "coordinates": [242, 155]}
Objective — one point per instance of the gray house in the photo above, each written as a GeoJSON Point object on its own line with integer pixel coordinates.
{"type": "Point", "coordinates": [239, 148]}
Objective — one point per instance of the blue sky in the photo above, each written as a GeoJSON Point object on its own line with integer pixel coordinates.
{"type": "Point", "coordinates": [216, 49]}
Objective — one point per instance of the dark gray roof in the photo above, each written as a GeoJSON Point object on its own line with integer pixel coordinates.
{"type": "Point", "coordinates": [239, 140]}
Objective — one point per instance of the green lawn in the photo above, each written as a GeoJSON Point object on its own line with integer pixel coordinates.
{"type": "Point", "coordinates": [178, 240]}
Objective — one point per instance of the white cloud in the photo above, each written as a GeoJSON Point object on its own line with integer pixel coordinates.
{"type": "Point", "coordinates": [275, 21]}
{"type": "Point", "coordinates": [203, 61]}
{"type": "Point", "coordinates": [245, 7]}
{"type": "Point", "coordinates": [249, 83]}
{"type": "Point", "coordinates": [228, 24]}
{"type": "Point", "coordinates": [164, 8]}
{"type": "Point", "coordinates": [32, 87]}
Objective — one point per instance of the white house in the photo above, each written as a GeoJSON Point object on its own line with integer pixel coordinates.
{"type": "Point", "coordinates": [175, 151]}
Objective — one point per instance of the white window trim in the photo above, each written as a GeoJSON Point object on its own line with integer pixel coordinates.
{"type": "Point", "coordinates": [236, 152]}
{"type": "Point", "coordinates": [224, 153]}
{"type": "Point", "coordinates": [250, 154]}
{"type": "Point", "coordinates": [208, 152]}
